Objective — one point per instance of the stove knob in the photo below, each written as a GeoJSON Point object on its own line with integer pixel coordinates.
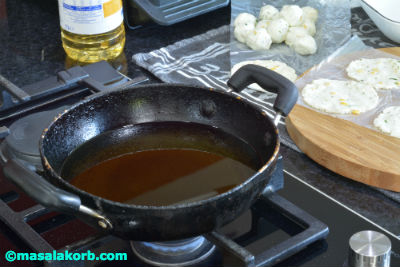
{"type": "Point", "coordinates": [369, 248]}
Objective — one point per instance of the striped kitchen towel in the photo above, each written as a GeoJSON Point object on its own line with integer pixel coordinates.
{"type": "Point", "coordinates": [202, 60]}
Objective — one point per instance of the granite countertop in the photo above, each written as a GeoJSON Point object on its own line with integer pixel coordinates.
{"type": "Point", "coordinates": [30, 50]}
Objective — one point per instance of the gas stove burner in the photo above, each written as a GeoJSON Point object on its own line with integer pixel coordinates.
{"type": "Point", "coordinates": [174, 253]}
{"type": "Point", "coordinates": [23, 141]}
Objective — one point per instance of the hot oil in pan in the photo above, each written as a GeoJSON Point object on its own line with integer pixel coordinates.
{"type": "Point", "coordinates": [163, 177]}
{"type": "Point", "coordinates": [170, 166]}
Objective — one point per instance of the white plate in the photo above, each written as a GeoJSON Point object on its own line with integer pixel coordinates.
{"type": "Point", "coordinates": [385, 14]}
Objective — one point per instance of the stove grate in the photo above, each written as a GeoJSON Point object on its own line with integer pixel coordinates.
{"type": "Point", "coordinates": [312, 230]}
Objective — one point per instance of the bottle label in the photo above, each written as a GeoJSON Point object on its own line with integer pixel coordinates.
{"type": "Point", "coordinates": [90, 16]}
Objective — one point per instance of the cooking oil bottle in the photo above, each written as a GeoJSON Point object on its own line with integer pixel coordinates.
{"type": "Point", "coordinates": [92, 30]}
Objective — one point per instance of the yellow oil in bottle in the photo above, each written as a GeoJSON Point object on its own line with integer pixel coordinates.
{"type": "Point", "coordinates": [92, 31]}
{"type": "Point", "coordinates": [96, 47]}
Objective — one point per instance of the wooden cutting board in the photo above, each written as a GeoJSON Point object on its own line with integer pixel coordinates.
{"type": "Point", "coordinates": [346, 148]}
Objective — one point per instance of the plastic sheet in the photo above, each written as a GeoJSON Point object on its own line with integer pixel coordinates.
{"type": "Point", "coordinates": [334, 67]}
{"type": "Point", "coordinates": [333, 30]}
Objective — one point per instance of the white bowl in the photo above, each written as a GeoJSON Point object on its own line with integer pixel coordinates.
{"type": "Point", "coordinates": [386, 15]}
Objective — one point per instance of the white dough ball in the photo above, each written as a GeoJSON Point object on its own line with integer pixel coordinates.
{"type": "Point", "coordinates": [309, 26]}
{"type": "Point", "coordinates": [263, 24]}
{"type": "Point", "coordinates": [305, 45]}
{"type": "Point", "coordinates": [310, 13]}
{"type": "Point", "coordinates": [242, 31]}
{"type": "Point", "coordinates": [295, 33]}
{"type": "Point", "coordinates": [259, 39]}
{"type": "Point", "coordinates": [244, 18]}
{"type": "Point", "coordinates": [278, 29]}
{"type": "Point", "coordinates": [293, 14]}
{"type": "Point", "coordinates": [268, 12]}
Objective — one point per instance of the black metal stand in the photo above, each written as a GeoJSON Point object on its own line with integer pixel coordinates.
{"type": "Point", "coordinates": [75, 81]}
